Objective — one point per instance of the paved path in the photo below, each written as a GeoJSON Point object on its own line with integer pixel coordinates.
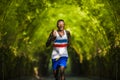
{"type": "Point", "coordinates": [71, 78]}
{"type": "Point", "coordinates": [51, 78]}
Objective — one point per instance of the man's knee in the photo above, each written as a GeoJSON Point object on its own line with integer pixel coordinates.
{"type": "Point", "coordinates": [55, 72]}
{"type": "Point", "coordinates": [62, 70]}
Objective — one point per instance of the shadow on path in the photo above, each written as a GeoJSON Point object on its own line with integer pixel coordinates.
{"type": "Point", "coordinates": [51, 78]}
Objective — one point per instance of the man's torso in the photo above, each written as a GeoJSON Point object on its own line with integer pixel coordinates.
{"type": "Point", "coordinates": [60, 46]}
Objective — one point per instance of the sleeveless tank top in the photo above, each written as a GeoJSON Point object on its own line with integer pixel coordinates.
{"type": "Point", "coordinates": [60, 46]}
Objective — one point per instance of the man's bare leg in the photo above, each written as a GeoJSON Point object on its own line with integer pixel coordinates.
{"type": "Point", "coordinates": [56, 72]}
{"type": "Point", "coordinates": [62, 73]}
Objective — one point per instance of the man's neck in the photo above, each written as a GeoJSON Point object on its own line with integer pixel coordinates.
{"type": "Point", "coordinates": [60, 30]}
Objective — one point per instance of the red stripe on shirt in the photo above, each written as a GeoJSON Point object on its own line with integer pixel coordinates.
{"type": "Point", "coordinates": [60, 45]}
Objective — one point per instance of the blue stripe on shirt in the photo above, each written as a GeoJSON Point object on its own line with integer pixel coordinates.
{"type": "Point", "coordinates": [61, 41]}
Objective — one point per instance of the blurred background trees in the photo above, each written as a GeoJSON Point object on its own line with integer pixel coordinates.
{"type": "Point", "coordinates": [95, 43]}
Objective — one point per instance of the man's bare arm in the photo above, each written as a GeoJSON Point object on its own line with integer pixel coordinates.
{"type": "Point", "coordinates": [69, 37]}
{"type": "Point", "coordinates": [50, 39]}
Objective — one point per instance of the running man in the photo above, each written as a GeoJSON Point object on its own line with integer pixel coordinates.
{"type": "Point", "coordinates": [61, 40]}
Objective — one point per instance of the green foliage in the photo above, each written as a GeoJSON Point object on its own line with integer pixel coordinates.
{"type": "Point", "coordinates": [25, 26]}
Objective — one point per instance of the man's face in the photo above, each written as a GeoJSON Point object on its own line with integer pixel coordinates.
{"type": "Point", "coordinates": [61, 25]}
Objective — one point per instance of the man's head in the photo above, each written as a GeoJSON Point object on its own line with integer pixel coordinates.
{"type": "Point", "coordinates": [60, 24]}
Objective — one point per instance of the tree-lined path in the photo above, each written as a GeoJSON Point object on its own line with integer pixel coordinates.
{"type": "Point", "coordinates": [95, 37]}
{"type": "Point", "coordinates": [51, 78]}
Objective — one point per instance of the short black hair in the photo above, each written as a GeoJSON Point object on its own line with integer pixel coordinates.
{"type": "Point", "coordinates": [59, 21]}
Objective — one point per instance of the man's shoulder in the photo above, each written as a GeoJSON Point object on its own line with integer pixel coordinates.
{"type": "Point", "coordinates": [68, 32]}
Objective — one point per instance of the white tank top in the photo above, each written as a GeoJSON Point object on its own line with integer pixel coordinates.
{"type": "Point", "coordinates": [60, 46]}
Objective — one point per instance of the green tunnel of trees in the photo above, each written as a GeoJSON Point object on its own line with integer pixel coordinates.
{"type": "Point", "coordinates": [95, 36]}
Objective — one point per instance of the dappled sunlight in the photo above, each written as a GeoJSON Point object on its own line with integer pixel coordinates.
{"type": "Point", "coordinates": [26, 25]}
{"type": "Point", "coordinates": [82, 24]}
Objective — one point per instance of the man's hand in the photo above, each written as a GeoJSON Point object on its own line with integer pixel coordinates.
{"type": "Point", "coordinates": [54, 33]}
